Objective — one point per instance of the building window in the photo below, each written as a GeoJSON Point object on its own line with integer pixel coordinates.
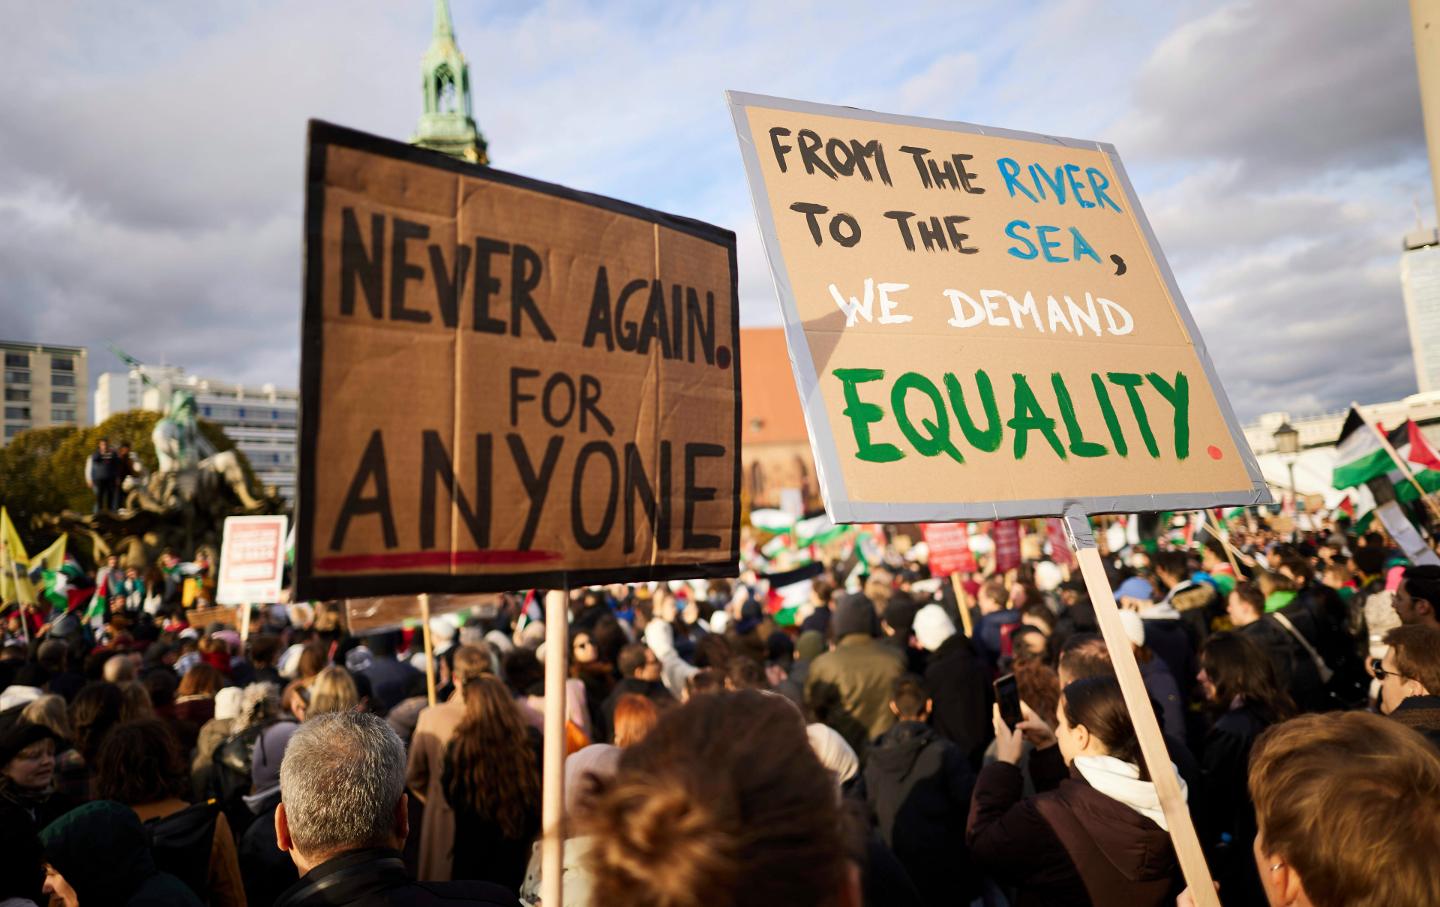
{"type": "Point", "coordinates": [62, 380]}
{"type": "Point", "coordinates": [17, 412]}
{"type": "Point", "coordinates": [17, 395]}
{"type": "Point", "coordinates": [62, 396]}
{"type": "Point", "coordinates": [62, 414]}
{"type": "Point", "coordinates": [13, 430]}
{"type": "Point", "coordinates": [241, 413]}
{"type": "Point", "coordinates": [205, 411]}
{"type": "Point", "coordinates": [17, 360]}
{"type": "Point", "coordinates": [14, 376]}
{"type": "Point", "coordinates": [62, 364]}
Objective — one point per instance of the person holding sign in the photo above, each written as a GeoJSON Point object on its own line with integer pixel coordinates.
{"type": "Point", "coordinates": [1098, 837]}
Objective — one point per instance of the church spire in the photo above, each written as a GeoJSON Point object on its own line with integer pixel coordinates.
{"type": "Point", "coordinates": [447, 123]}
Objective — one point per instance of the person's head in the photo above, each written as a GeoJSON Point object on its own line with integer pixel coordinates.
{"type": "Point", "coordinates": [586, 771]}
{"type": "Point", "coordinates": [637, 661]}
{"type": "Point", "coordinates": [103, 445]}
{"type": "Point", "coordinates": [635, 717]}
{"type": "Point", "coordinates": [908, 699]}
{"type": "Point", "coordinates": [342, 788]}
{"type": "Point", "coordinates": [745, 673]}
{"type": "Point", "coordinates": [1212, 554]}
{"type": "Point", "coordinates": [136, 702]}
{"type": "Point", "coordinates": [1084, 655]}
{"type": "Point", "coordinates": [27, 754]}
{"type": "Point", "coordinates": [854, 616]}
{"type": "Point", "coordinates": [1039, 687]}
{"type": "Point", "coordinates": [1245, 605]}
{"type": "Point", "coordinates": [313, 659]}
{"type": "Point", "coordinates": [993, 596]}
{"type": "Point", "coordinates": [1411, 666]}
{"type": "Point", "coordinates": [1336, 575]}
{"type": "Point", "coordinates": [264, 650]}
{"type": "Point", "coordinates": [98, 853]}
{"type": "Point", "coordinates": [470, 662]}
{"type": "Point", "coordinates": [94, 712]}
{"type": "Point", "coordinates": [119, 669]}
{"type": "Point", "coordinates": [705, 680]}
{"type": "Point", "coordinates": [140, 762]}
{"type": "Point", "coordinates": [332, 690]}
{"type": "Point", "coordinates": [582, 648]}
{"type": "Point", "coordinates": [1093, 721]}
{"type": "Point", "coordinates": [932, 627]}
{"type": "Point", "coordinates": [494, 771]}
{"type": "Point", "coordinates": [1233, 670]}
{"type": "Point", "coordinates": [1270, 583]}
{"type": "Point", "coordinates": [1172, 567]}
{"type": "Point", "coordinates": [52, 655]}
{"type": "Point", "coordinates": [723, 804]}
{"type": "Point", "coordinates": [1348, 810]}
{"type": "Point", "coordinates": [1029, 642]}
{"type": "Point", "coordinates": [1417, 600]}
{"type": "Point", "coordinates": [201, 680]}
{"type": "Point", "coordinates": [51, 711]}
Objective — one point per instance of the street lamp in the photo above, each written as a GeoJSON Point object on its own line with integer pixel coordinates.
{"type": "Point", "coordinates": [1287, 444]}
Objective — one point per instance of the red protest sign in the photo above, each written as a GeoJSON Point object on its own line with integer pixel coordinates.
{"type": "Point", "coordinates": [1060, 551]}
{"type": "Point", "coordinates": [949, 545]}
{"type": "Point", "coordinates": [1006, 535]}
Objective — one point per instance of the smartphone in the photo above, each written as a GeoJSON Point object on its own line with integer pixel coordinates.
{"type": "Point", "coordinates": [1007, 694]}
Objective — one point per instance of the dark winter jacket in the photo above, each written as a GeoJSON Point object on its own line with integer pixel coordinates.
{"type": "Point", "coordinates": [849, 688]}
{"type": "Point", "coordinates": [1165, 692]}
{"type": "Point", "coordinates": [958, 684]}
{"type": "Point", "coordinates": [103, 852]}
{"type": "Point", "coordinates": [266, 869]}
{"type": "Point", "coordinates": [1070, 844]}
{"type": "Point", "coordinates": [377, 878]}
{"type": "Point", "coordinates": [1225, 814]}
{"type": "Point", "coordinates": [918, 787]}
{"type": "Point", "coordinates": [1421, 713]}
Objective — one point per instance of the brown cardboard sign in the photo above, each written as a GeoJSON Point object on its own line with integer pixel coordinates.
{"type": "Point", "coordinates": [981, 322]}
{"type": "Point", "coordinates": [506, 383]}
{"type": "Point", "coordinates": [390, 612]}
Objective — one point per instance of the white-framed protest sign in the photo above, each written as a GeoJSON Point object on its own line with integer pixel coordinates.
{"type": "Point", "coordinates": [252, 560]}
{"type": "Point", "coordinates": [981, 322]}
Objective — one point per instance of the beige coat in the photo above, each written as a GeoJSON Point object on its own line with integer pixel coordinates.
{"type": "Point", "coordinates": [433, 730]}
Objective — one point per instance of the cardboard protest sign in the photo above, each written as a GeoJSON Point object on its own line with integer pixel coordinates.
{"type": "Point", "coordinates": [506, 383]}
{"type": "Point", "coordinates": [949, 545]}
{"type": "Point", "coordinates": [981, 322]}
{"type": "Point", "coordinates": [390, 612]}
{"type": "Point", "coordinates": [1006, 534]}
{"type": "Point", "coordinates": [252, 560]}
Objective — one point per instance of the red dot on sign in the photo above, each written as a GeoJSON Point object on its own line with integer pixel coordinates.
{"type": "Point", "coordinates": [1214, 452]}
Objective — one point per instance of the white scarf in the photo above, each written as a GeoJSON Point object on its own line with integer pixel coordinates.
{"type": "Point", "coordinates": [1121, 781]}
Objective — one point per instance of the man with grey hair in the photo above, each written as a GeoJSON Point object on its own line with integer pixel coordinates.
{"type": "Point", "coordinates": [343, 818]}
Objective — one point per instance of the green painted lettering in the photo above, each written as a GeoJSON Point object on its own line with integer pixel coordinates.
{"type": "Point", "coordinates": [1178, 396]}
{"type": "Point", "coordinates": [1078, 445]}
{"type": "Point", "coordinates": [861, 414]}
{"type": "Point", "coordinates": [936, 440]}
{"type": "Point", "coordinates": [1107, 409]}
{"type": "Point", "coordinates": [989, 439]}
{"type": "Point", "coordinates": [1131, 382]}
{"type": "Point", "coordinates": [1030, 417]}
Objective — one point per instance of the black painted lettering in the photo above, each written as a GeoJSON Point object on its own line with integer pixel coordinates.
{"type": "Point", "coordinates": [590, 405]}
{"type": "Point", "coordinates": [850, 235]}
{"type": "Point", "coordinates": [586, 539]}
{"type": "Point", "coordinates": [700, 323]}
{"type": "Point", "coordinates": [537, 483]}
{"type": "Point", "coordinates": [657, 510]}
{"type": "Point", "coordinates": [486, 285]}
{"type": "Point", "coordinates": [627, 333]}
{"type": "Point", "coordinates": [810, 153]}
{"type": "Point", "coordinates": [698, 494]}
{"type": "Point", "coordinates": [435, 463]}
{"type": "Point", "coordinates": [598, 324]}
{"type": "Point", "coordinates": [525, 274]}
{"type": "Point", "coordinates": [449, 287]}
{"type": "Point", "coordinates": [402, 270]}
{"type": "Point", "coordinates": [558, 380]}
{"type": "Point", "coordinates": [517, 396]}
{"type": "Point", "coordinates": [359, 266]}
{"type": "Point", "coordinates": [372, 467]}
{"type": "Point", "coordinates": [902, 220]}
{"type": "Point", "coordinates": [810, 209]}
{"type": "Point", "coordinates": [780, 150]}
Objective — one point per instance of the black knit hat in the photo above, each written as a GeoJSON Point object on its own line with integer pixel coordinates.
{"type": "Point", "coordinates": [16, 734]}
{"type": "Point", "coordinates": [855, 613]}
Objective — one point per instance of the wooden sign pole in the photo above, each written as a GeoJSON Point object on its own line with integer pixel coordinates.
{"type": "Point", "coordinates": [962, 603]}
{"type": "Point", "coordinates": [245, 624]}
{"type": "Point", "coordinates": [429, 647]}
{"type": "Point", "coordinates": [552, 801]}
{"type": "Point", "coordinates": [1142, 713]}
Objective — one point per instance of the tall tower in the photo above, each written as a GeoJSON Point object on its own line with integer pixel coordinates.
{"type": "Point", "coordinates": [1420, 262]}
{"type": "Point", "coordinates": [447, 124]}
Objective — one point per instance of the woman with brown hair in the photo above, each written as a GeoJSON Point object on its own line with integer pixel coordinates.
{"type": "Point", "coordinates": [635, 716]}
{"type": "Point", "coordinates": [723, 804]}
{"type": "Point", "coordinates": [140, 765]}
{"type": "Point", "coordinates": [1239, 683]}
{"type": "Point", "coordinates": [195, 702]}
{"type": "Point", "coordinates": [1097, 836]}
{"type": "Point", "coordinates": [492, 782]}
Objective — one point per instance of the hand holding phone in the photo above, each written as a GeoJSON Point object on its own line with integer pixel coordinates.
{"type": "Point", "coordinates": [1007, 697]}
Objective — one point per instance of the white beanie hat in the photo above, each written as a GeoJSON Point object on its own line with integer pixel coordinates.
{"type": "Point", "coordinates": [833, 752]}
{"type": "Point", "coordinates": [932, 627]}
{"type": "Point", "coordinates": [1134, 627]}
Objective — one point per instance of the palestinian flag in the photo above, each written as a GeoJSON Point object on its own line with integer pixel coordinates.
{"type": "Point", "coordinates": [64, 589]}
{"type": "Point", "coordinates": [1360, 457]}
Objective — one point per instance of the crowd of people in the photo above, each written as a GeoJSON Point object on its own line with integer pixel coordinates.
{"type": "Point", "coordinates": [852, 754]}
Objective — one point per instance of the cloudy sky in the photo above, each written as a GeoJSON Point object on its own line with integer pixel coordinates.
{"type": "Point", "coordinates": [151, 153]}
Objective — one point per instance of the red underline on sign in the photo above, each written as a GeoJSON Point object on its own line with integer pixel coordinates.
{"type": "Point", "coordinates": [401, 560]}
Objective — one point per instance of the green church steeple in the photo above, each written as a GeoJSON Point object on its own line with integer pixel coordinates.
{"type": "Point", "coordinates": [447, 124]}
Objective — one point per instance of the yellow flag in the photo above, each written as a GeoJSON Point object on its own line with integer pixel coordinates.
{"type": "Point", "coordinates": [52, 558]}
{"type": "Point", "coordinates": [14, 564]}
